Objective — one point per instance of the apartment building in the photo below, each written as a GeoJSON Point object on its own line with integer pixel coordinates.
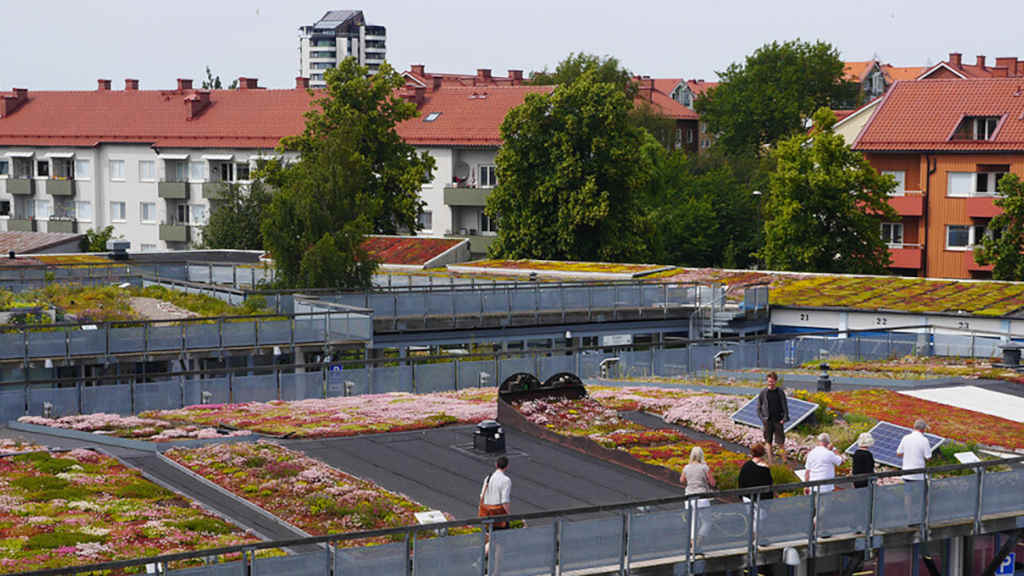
{"type": "Point", "coordinates": [663, 97]}
{"type": "Point", "coordinates": [151, 163]}
{"type": "Point", "coordinates": [338, 35]}
{"type": "Point", "coordinates": [686, 93]}
{"type": "Point", "coordinates": [954, 67]}
{"type": "Point", "coordinates": [947, 143]}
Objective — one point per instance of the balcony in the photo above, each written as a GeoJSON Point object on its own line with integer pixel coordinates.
{"type": "Point", "coordinates": [971, 265]}
{"type": "Point", "coordinates": [172, 190]}
{"type": "Point", "coordinates": [21, 186]}
{"type": "Point", "coordinates": [174, 232]}
{"type": "Point", "coordinates": [982, 207]}
{"type": "Point", "coordinates": [21, 225]}
{"type": "Point", "coordinates": [457, 196]}
{"type": "Point", "coordinates": [906, 256]}
{"type": "Point", "coordinates": [478, 245]}
{"type": "Point", "coordinates": [908, 205]}
{"type": "Point", "coordinates": [60, 187]}
{"type": "Point", "coordinates": [67, 226]}
{"type": "Point", "coordinates": [214, 190]}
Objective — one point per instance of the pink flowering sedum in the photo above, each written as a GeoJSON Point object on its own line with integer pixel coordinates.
{"type": "Point", "coordinates": [133, 427]}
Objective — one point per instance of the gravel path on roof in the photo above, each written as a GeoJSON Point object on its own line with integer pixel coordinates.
{"type": "Point", "coordinates": [153, 309]}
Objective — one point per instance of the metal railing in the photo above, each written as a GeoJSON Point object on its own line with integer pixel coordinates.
{"type": "Point", "coordinates": [741, 525]}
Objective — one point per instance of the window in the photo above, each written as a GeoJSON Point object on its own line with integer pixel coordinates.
{"type": "Point", "coordinates": [147, 212]}
{"type": "Point", "coordinates": [488, 224]}
{"type": "Point", "coordinates": [196, 214]}
{"type": "Point", "coordinates": [117, 170]}
{"type": "Point", "coordinates": [687, 99]}
{"type": "Point", "coordinates": [196, 171]}
{"type": "Point", "coordinates": [689, 135]}
{"type": "Point", "coordinates": [42, 168]}
{"type": "Point", "coordinates": [431, 117]}
{"type": "Point", "coordinates": [117, 212]}
{"type": "Point", "coordinates": [42, 208]}
{"type": "Point", "coordinates": [892, 234]}
{"type": "Point", "coordinates": [4, 167]}
{"type": "Point", "coordinates": [976, 128]}
{"type": "Point", "coordinates": [901, 181]}
{"type": "Point", "coordinates": [63, 169]}
{"type": "Point", "coordinates": [147, 171]}
{"type": "Point", "coordinates": [961, 184]}
{"type": "Point", "coordinates": [242, 172]}
{"type": "Point", "coordinates": [83, 211]}
{"type": "Point", "coordinates": [83, 169]}
{"type": "Point", "coordinates": [21, 168]}
{"type": "Point", "coordinates": [965, 237]}
{"type": "Point", "coordinates": [488, 176]}
{"type": "Point", "coordinates": [426, 220]}
{"type": "Point", "coordinates": [175, 171]}
{"type": "Point", "coordinates": [5, 208]}
{"type": "Point", "coordinates": [679, 137]}
{"type": "Point", "coordinates": [221, 171]}
{"type": "Point", "coordinates": [987, 183]}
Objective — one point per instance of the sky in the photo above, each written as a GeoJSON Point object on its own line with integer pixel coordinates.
{"type": "Point", "coordinates": [67, 45]}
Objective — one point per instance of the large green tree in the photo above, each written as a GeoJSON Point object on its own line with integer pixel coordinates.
{"type": "Point", "coordinates": [823, 208]}
{"type": "Point", "coordinates": [355, 176]}
{"type": "Point", "coordinates": [235, 220]}
{"type": "Point", "coordinates": [773, 93]}
{"type": "Point", "coordinates": [601, 69]}
{"type": "Point", "coordinates": [1003, 245]}
{"type": "Point", "coordinates": [571, 173]}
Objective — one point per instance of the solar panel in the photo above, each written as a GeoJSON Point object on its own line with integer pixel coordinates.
{"type": "Point", "coordinates": [799, 410]}
{"type": "Point", "coordinates": [887, 438]}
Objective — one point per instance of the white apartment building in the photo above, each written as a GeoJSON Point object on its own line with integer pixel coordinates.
{"type": "Point", "coordinates": [152, 163]}
{"type": "Point", "coordinates": [336, 36]}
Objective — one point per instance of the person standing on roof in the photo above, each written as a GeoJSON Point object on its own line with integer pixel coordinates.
{"type": "Point", "coordinates": [821, 463]}
{"type": "Point", "coordinates": [496, 493]}
{"type": "Point", "coordinates": [915, 450]}
{"type": "Point", "coordinates": [773, 410]}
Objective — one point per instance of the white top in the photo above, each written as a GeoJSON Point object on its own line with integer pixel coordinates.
{"type": "Point", "coordinates": [498, 489]}
{"type": "Point", "coordinates": [696, 474]}
{"type": "Point", "coordinates": [821, 465]}
{"type": "Point", "coordinates": [915, 449]}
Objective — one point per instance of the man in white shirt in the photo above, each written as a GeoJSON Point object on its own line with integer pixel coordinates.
{"type": "Point", "coordinates": [915, 450]}
{"type": "Point", "coordinates": [496, 492]}
{"type": "Point", "coordinates": [821, 462]}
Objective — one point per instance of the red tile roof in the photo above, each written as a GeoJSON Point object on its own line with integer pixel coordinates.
{"type": "Point", "coordinates": [921, 115]}
{"type": "Point", "coordinates": [855, 71]}
{"type": "Point", "coordinates": [408, 250]}
{"type": "Point", "coordinates": [896, 73]}
{"type": "Point", "coordinates": [699, 87]}
{"type": "Point", "coordinates": [661, 99]}
{"type": "Point", "coordinates": [233, 118]}
{"type": "Point", "coordinates": [29, 242]}
{"type": "Point", "coordinates": [467, 116]}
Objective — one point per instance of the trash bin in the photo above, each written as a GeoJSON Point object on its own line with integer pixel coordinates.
{"type": "Point", "coordinates": [489, 437]}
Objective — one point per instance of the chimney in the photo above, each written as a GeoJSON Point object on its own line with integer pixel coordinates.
{"type": "Point", "coordinates": [301, 83]}
{"type": "Point", "coordinates": [419, 69]}
{"type": "Point", "coordinates": [1009, 63]}
{"type": "Point", "coordinates": [420, 96]}
{"type": "Point", "coordinates": [184, 84]}
{"type": "Point", "coordinates": [195, 103]}
{"type": "Point", "coordinates": [483, 74]}
{"type": "Point", "coordinates": [131, 84]}
{"type": "Point", "coordinates": [645, 86]}
{"type": "Point", "coordinates": [438, 81]}
{"type": "Point", "coordinates": [103, 85]}
{"type": "Point", "coordinates": [981, 62]}
{"type": "Point", "coordinates": [516, 76]}
{"type": "Point", "coordinates": [954, 59]}
{"type": "Point", "coordinates": [247, 83]}
{"type": "Point", "coordinates": [11, 102]}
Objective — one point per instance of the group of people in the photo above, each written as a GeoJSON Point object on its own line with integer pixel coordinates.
{"type": "Point", "coordinates": [820, 462]}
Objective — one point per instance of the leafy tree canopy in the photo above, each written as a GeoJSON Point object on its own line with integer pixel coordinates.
{"type": "Point", "coordinates": [235, 222]}
{"type": "Point", "coordinates": [822, 212]}
{"type": "Point", "coordinates": [602, 69]}
{"type": "Point", "coordinates": [773, 94]}
{"type": "Point", "coordinates": [354, 176]}
{"type": "Point", "coordinates": [213, 82]}
{"type": "Point", "coordinates": [571, 172]}
{"type": "Point", "coordinates": [96, 240]}
{"type": "Point", "coordinates": [1004, 242]}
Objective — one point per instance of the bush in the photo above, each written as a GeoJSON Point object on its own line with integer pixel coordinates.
{"type": "Point", "coordinates": [204, 525]}
{"type": "Point", "coordinates": [143, 490]}
{"type": "Point", "coordinates": [52, 540]}
{"type": "Point", "coordinates": [43, 462]}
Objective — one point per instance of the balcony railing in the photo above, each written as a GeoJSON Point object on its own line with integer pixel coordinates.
{"type": "Point", "coordinates": [60, 187]}
{"type": "Point", "coordinates": [64, 225]}
{"type": "Point", "coordinates": [466, 196]}
{"type": "Point", "coordinates": [174, 232]}
{"type": "Point", "coordinates": [21, 186]}
{"type": "Point", "coordinates": [172, 190]}
{"type": "Point", "coordinates": [908, 204]}
{"type": "Point", "coordinates": [982, 207]}
{"type": "Point", "coordinates": [21, 225]}
{"type": "Point", "coordinates": [905, 256]}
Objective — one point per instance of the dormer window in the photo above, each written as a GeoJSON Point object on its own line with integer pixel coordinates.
{"type": "Point", "coordinates": [432, 116]}
{"type": "Point", "coordinates": [977, 128]}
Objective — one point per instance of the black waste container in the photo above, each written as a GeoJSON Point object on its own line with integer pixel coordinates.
{"type": "Point", "coordinates": [489, 437]}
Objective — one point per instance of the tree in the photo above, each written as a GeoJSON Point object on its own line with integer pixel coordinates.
{"type": "Point", "coordinates": [571, 173]}
{"type": "Point", "coordinates": [773, 94]}
{"type": "Point", "coordinates": [683, 217]}
{"type": "Point", "coordinates": [213, 82]}
{"type": "Point", "coordinates": [822, 213]}
{"type": "Point", "coordinates": [602, 69]}
{"type": "Point", "coordinates": [235, 223]}
{"type": "Point", "coordinates": [96, 240]}
{"type": "Point", "coordinates": [1003, 244]}
{"type": "Point", "coordinates": [355, 176]}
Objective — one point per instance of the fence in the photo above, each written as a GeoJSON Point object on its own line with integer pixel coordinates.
{"type": "Point", "coordinates": [131, 394]}
{"type": "Point", "coordinates": [67, 340]}
{"type": "Point", "coordinates": [665, 532]}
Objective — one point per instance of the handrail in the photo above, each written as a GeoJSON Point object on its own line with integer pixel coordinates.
{"type": "Point", "coordinates": [409, 531]}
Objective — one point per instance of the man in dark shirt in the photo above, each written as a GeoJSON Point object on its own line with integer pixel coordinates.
{"type": "Point", "coordinates": [773, 410]}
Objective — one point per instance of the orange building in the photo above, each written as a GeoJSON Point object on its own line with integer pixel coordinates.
{"type": "Point", "coordinates": [947, 143]}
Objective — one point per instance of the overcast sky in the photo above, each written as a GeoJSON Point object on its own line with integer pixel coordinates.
{"type": "Point", "coordinates": [58, 44]}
